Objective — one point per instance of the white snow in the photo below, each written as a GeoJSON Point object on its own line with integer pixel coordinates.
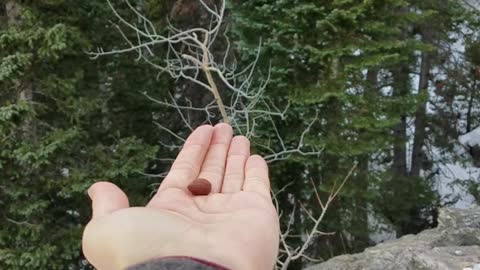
{"type": "Point", "coordinates": [471, 139]}
{"type": "Point", "coordinates": [380, 230]}
{"type": "Point", "coordinates": [448, 185]}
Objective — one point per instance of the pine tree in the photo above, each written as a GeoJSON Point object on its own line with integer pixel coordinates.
{"type": "Point", "coordinates": [65, 122]}
{"type": "Point", "coordinates": [344, 61]}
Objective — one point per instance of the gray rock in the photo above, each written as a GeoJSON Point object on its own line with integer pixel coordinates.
{"type": "Point", "coordinates": [454, 244]}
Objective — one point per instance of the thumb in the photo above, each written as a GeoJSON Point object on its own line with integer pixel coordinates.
{"type": "Point", "coordinates": [106, 198]}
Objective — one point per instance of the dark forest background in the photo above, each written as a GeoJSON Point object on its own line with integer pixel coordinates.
{"type": "Point", "coordinates": [395, 85]}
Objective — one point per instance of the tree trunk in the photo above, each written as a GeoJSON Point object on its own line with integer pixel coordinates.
{"type": "Point", "coordinates": [418, 155]}
{"type": "Point", "coordinates": [3, 16]}
{"type": "Point", "coordinates": [12, 10]}
{"type": "Point", "coordinates": [360, 217]}
{"type": "Point", "coordinates": [401, 77]}
{"type": "Point", "coordinates": [25, 86]}
{"type": "Point", "coordinates": [470, 107]}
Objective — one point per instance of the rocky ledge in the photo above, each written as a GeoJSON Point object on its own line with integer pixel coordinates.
{"type": "Point", "coordinates": [453, 245]}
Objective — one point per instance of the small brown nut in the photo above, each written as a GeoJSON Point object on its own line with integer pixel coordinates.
{"type": "Point", "coordinates": [200, 187]}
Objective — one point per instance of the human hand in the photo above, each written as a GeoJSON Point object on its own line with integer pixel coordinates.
{"type": "Point", "coordinates": [235, 226]}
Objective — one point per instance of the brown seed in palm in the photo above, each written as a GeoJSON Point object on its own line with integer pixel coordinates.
{"type": "Point", "coordinates": [200, 187]}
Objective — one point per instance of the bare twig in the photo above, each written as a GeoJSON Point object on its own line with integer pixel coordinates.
{"type": "Point", "coordinates": [188, 54]}
{"type": "Point", "coordinates": [237, 96]}
{"type": "Point", "coordinates": [299, 252]}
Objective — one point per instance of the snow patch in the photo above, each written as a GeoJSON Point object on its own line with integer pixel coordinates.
{"type": "Point", "coordinates": [471, 139]}
{"type": "Point", "coordinates": [448, 183]}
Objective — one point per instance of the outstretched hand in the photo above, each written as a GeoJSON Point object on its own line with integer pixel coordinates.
{"type": "Point", "coordinates": [235, 226]}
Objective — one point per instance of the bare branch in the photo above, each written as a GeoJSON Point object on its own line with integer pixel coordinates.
{"type": "Point", "coordinates": [169, 131]}
{"type": "Point", "coordinates": [186, 55]}
{"type": "Point", "coordinates": [300, 251]}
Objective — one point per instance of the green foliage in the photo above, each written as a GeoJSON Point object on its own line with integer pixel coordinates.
{"type": "Point", "coordinates": [320, 53]}
{"type": "Point", "coordinates": [348, 64]}
{"type": "Point", "coordinates": [71, 131]}
{"type": "Point", "coordinates": [12, 64]}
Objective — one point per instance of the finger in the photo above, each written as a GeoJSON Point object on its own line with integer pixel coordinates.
{"type": "Point", "coordinates": [188, 162]}
{"type": "Point", "coordinates": [106, 198]}
{"type": "Point", "coordinates": [214, 165]}
{"type": "Point", "coordinates": [256, 176]}
{"type": "Point", "coordinates": [235, 172]}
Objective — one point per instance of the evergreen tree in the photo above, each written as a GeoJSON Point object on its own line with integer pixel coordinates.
{"type": "Point", "coordinates": [383, 80]}
{"type": "Point", "coordinates": [355, 64]}
{"type": "Point", "coordinates": [65, 122]}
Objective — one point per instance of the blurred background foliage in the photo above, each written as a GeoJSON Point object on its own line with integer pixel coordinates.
{"type": "Point", "coordinates": [394, 84]}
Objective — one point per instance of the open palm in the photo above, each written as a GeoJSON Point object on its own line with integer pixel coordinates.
{"type": "Point", "coordinates": [235, 226]}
